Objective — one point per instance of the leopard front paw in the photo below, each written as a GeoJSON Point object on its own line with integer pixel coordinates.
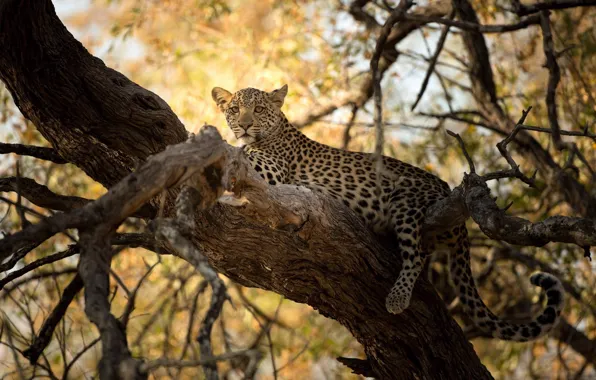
{"type": "Point", "coordinates": [396, 302]}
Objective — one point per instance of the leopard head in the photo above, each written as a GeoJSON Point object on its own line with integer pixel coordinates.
{"type": "Point", "coordinates": [253, 115]}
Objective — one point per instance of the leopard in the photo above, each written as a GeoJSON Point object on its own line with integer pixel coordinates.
{"type": "Point", "coordinates": [392, 200]}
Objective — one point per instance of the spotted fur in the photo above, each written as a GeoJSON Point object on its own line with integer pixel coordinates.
{"type": "Point", "coordinates": [282, 154]}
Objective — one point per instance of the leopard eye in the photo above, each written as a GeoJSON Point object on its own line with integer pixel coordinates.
{"type": "Point", "coordinates": [259, 109]}
{"type": "Point", "coordinates": [234, 109]}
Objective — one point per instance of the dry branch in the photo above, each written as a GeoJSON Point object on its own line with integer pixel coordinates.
{"type": "Point", "coordinates": [523, 10]}
{"type": "Point", "coordinates": [41, 196]}
{"type": "Point", "coordinates": [40, 152]}
{"type": "Point", "coordinates": [475, 26]}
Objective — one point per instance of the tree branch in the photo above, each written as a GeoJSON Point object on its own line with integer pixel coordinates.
{"type": "Point", "coordinates": [41, 196]}
{"type": "Point", "coordinates": [475, 26]}
{"type": "Point", "coordinates": [40, 152]}
{"type": "Point", "coordinates": [433, 62]}
{"type": "Point", "coordinates": [43, 338]}
{"type": "Point", "coordinates": [523, 10]}
{"type": "Point", "coordinates": [553, 80]}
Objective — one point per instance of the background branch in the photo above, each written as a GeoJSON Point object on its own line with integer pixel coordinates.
{"type": "Point", "coordinates": [43, 153]}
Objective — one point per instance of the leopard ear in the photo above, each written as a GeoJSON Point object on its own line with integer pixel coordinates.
{"type": "Point", "coordinates": [222, 97]}
{"type": "Point", "coordinates": [277, 96]}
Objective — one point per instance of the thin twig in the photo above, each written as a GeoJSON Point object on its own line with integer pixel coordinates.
{"type": "Point", "coordinates": [395, 16]}
{"type": "Point", "coordinates": [72, 250]}
{"type": "Point", "coordinates": [553, 80]}
{"type": "Point", "coordinates": [464, 150]}
{"type": "Point", "coordinates": [433, 61]}
{"type": "Point", "coordinates": [349, 125]}
{"type": "Point", "coordinates": [130, 305]}
{"type": "Point", "coordinates": [514, 172]}
{"type": "Point", "coordinates": [210, 360]}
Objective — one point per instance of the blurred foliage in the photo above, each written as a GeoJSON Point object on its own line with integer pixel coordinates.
{"type": "Point", "coordinates": [181, 49]}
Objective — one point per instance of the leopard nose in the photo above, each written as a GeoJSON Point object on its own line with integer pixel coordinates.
{"type": "Point", "coordinates": [245, 125]}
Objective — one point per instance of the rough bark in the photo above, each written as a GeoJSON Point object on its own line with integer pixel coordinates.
{"type": "Point", "coordinates": [97, 119]}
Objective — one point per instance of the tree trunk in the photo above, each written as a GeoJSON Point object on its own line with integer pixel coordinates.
{"type": "Point", "coordinates": [97, 119]}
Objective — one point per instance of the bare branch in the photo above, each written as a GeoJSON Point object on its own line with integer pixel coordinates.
{"type": "Point", "coordinates": [40, 152]}
{"type": "Point", "coordinates": [465, 25]}
{"type": "Point", "coordinates": [464, 150]}
{"type": "Point", "coordinates": [553, 80]}
{"type": "Point", "coordinates": [72, 250]}
{"type": "Point", "coordinates": [583, 133]}
{"type": "Point", "coordinates": [523, 10]}
{"type": "Point", "coordinates": [133, 295]}
{"type": "Point", "coordinates": [484, 91]}
{"type": "Point", "coordinates": [165, 362]}
{"type": "Point", "coordinates": [346, 138]}
{"type": "Point", "coordinates": [41, 196]}
{"type": "Point", "coordinates": [433, 61]}
{"type": "Point", "coordinates": [497, 225]}
{"type": "Point", "coordinates": [96, 255]}
{"type": "Point", "coordinates": [43, 338]}
{"type": "Point", "coordinates": [577, 340]}
{"type": "Point", "coordinates": [514, 172]}
{"type": "Point", "coordinates": [188, 199]}
{"type": "Point", "coordinates": [396, 15]}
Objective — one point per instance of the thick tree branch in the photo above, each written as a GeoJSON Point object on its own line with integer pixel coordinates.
{"type": "Point", "coordinates": [116, 361]}
{"type": "Point", "coordinates": [40, 195]}
{"type": "Point", "coordinates": [473, 198]}
{"type": "Point", "coordinates": [577, 340]}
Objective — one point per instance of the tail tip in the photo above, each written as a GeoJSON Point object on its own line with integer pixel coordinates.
{"type": "Point", "coordinates": [545, 280]}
